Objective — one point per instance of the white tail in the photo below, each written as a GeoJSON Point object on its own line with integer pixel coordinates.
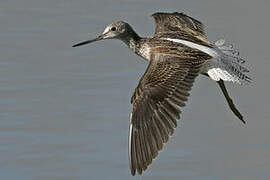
{"type": "Point", "coordinates": [229, 66]}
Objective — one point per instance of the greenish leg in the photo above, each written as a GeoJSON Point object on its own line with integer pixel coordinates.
{"type": "Point", "coordinates": [229, 101]}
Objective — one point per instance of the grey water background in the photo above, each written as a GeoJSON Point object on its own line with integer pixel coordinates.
{"type": "Point", "coordinates": [64, 112]}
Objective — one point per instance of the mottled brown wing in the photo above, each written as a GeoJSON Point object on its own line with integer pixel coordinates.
{"type": "Point", "coordinates": [180, 26]}
{"type": "Point", "coordinates": [162, 90]}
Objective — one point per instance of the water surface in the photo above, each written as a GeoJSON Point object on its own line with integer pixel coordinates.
{"type": "Point", "coordinates": [64, 112]}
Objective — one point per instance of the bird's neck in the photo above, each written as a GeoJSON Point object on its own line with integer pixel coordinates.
{"type": "Point", "coordinates": [132, 41]}
{"type": "Point", "coordinates": [137, 45]}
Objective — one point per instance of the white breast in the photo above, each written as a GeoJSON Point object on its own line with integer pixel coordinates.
{"type": "Point", "coordinates": [145, 52]}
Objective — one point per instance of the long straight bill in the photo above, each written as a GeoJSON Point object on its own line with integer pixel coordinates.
{"type": "Point", "coordinates": [88, 41]}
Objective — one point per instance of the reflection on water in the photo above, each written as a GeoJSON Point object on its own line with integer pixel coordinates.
{"type": "Point", "coordinates": [64, 111]}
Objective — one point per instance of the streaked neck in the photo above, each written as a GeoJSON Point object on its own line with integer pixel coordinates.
{"type": "Point", "coordinates": [131, 40]}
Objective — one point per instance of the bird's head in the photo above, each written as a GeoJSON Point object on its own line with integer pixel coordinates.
{"type": "Point", "coordinates": [117, 30]}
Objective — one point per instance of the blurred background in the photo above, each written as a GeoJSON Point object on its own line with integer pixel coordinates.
{"type": "Point", "coordinates": [64, 112]}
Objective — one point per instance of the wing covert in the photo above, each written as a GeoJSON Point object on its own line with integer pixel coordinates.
{"type": "Point", "coordinates": [180, 26]}
{"type": "Point", "coordinates": [162, 90]}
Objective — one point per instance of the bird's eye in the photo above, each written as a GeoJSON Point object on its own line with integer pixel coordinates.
{"type": "Point", "coordinates": [113, 29]}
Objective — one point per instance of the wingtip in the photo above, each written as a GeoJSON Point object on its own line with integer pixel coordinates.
{"type": "Point", "coordinates": [132, 171]}
{"type": "Point", "coordinates": [176, 12]}
{"type": "Point", "coordinates": [154, 14]}
{"type": "Point", "coordinates": [163, 13]}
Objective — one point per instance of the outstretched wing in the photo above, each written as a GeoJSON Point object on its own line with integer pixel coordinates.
{"type": "Point", "coordinates": [180, 26]}
{"type": "Point", "coordinates": [162, 90]}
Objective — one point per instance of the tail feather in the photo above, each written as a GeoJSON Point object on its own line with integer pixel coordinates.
{"type": "Point", "coordinates": [230, 66]}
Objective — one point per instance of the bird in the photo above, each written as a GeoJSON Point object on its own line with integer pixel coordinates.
{"type": "Point", "coordinates": [177, 53]}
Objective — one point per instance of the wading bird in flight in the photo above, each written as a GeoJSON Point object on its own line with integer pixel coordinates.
{"type": "Point", "coordinates": [177, 53]}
